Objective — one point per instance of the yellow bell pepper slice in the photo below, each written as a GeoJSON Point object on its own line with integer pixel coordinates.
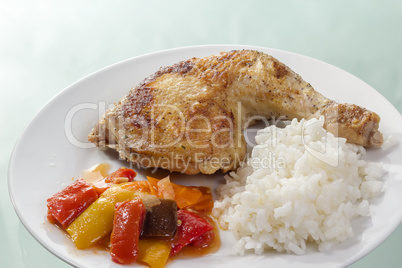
{"type": "Point", "coordinates": [153, 252]}
{"type": "Point", "coordinates": [97, 220]}
{"type": "Point", "coordinates": [94, 223]}
{"type": "Point", "coordinates": [118, 193]}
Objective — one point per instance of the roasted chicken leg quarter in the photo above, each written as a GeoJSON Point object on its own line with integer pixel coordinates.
{"type": "Point", "coordinates": [189, 117]}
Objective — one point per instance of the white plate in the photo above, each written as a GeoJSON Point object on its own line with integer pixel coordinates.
{"type": "Point", "coordinates": [53, 148]}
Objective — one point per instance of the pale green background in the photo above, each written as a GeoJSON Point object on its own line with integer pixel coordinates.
{"type": "Point", "coordinates": [47, 45]}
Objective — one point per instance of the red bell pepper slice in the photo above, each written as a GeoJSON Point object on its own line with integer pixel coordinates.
{"type": "Point", "coordinates": [127, 226]}
{"type": "Point", "coordinates": [66, 205]}
{"type": "Point", "coordinates": [204, 240]}
{"type": "Point", "coordinates": [191, 227]}
{"type": "Point", "coordinates": [105, 183]}
{"type": "Point", "coordinates": [122, 172]}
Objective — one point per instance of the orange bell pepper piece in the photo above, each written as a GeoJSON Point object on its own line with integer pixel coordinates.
{"type": "Point", "coordinates": [205, 202]}
{"type": "Point", "coordinates": [185, 196]}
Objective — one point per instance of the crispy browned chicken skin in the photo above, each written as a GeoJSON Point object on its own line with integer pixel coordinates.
{"type": "Point", "coordinates": [189, 117]}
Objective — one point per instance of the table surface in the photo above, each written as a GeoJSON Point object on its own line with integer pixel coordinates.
{"type": "Point", "coordinates": [47, 45]}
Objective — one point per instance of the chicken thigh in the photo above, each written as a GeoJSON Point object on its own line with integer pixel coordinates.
{"type": "Point", "coordinates": [190, 117]}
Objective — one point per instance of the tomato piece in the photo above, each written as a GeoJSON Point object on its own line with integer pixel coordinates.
{"type": "Point", "coordinates": [127, 226]}
{"type": "Point", "coordinates": [66, 205]}
{"type": "Point", "coordinates": [191, 226]}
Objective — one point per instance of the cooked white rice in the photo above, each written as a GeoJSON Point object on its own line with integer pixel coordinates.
{"type": "Point", "coordinates": [300, 185]}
